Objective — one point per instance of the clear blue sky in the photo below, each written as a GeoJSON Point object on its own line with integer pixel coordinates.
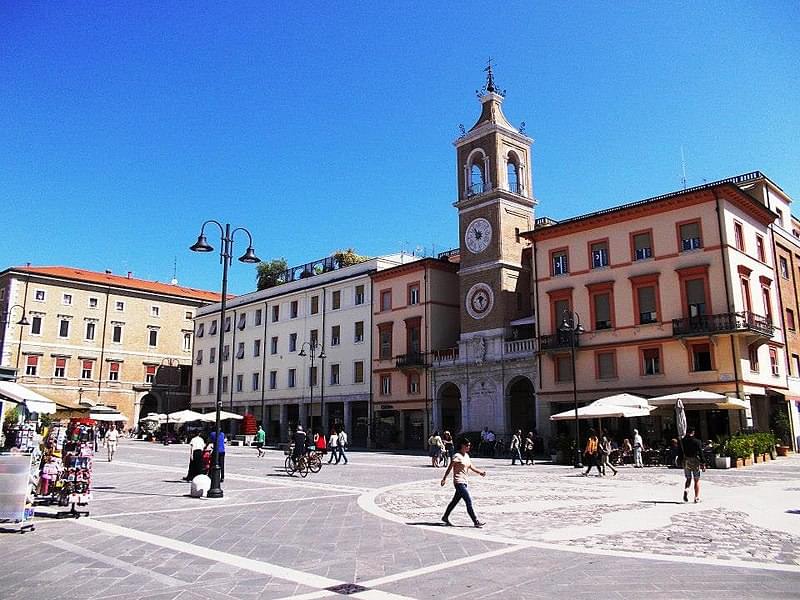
{"type": "Point", "coordinates": [323, 125]}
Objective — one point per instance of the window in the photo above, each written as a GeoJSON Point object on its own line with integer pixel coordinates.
{"type": "Point", "coordinates": [63, 328]}
{"type": "Point", "coordinates": [60, 370]}
{"type": "Point", "coordinates": [212, 355]}
{"type": "Point", "coordinates": [87, 366]}
{"type": "Point", "coordinates": [738, 235]}
{"type": "Point", "coordinates": [227, 324]}
{"type": "Point", "coordinates": [696, 297]}
{"type": "Point", "coordinates": [651, 361]}
{"type": "Point", "coordinates": [198, 387]}
{"type": "Point", "coordinates": [359, 299]}
{"type": "Point", "coordinates": [155, 311]}
{"type": "Point", "coordinates": [646, 301]}
{"type": "Point", "coordinates": [91, 328]}
{"type": "Point", "coordinates": [312, 376]}
{"type": "Point", "coordinates": [334, 374]}
{"type": "Point", "coordinates": [606, 365]}
{"type": "Point", "coordinates": [413, 294]}
{"type": "Point", "coordinates": [224, 383]}
{"type": "Point", "coordinates": [212, 330]}
{"type": "Point", "coordinates": [790, 325]}
{"type": "Point", "coordinates": [602, 310]}
{"type": "Point", "coordinates": [386, 300]}
{"type": "Point", "coordinates": [211, 387]}
{"type": "Point", "coordinates": [313, 337]}
{"type": "Point", "coordinates": [563, 364]}
{"type": "Point", "coordinates": [119, 306]}
{"type": "Point", "coordinates": [239, 382]}
{"type": "Point", "coordinates": [336, 300]}
{"type": "Point", "coordinates": [784, 267]}
{"type": "Point", "coordinates": [413, 383]}
{"type": "Point", "coordinates": [273, 345]}
{"type": "Point", "coordinates": [256, 381]}
{"type": "Point", "coordinates": [257, 318]}
{"type": "Point", "coordinates": [292, 380]}
{"type": "Point", "coordinates": [559, 262]}
{"type": "Point", "coordinates": [256, 347]}
{"type": "Point", "coordinates": [385, 345]}
{"type": "Point", "coordinates": [760, 249]}
{"type": "Point", "coordinates": [92, 302]}
{"type": "Point", "coordinates": [226, 352]}
{"type": "Point", "coordinates": [113, 371]}
{"type": "Point", "coordinates": [292, 342]}
{"type": "Point", "coordinates": [413, 336]}
{"type": "Point", "coordinates": [335, 335]}
{"type": "Point", "coordinates": [273, 380]}
{"type": "Point", "coordinates": [187, 341]}
{"type": "Point", "coordinates": [753, 357]}
{"type": "Point", "coordinates": [599, 254]}
{"type": "Point", "coordinates": [39, 295]}
{"type": "Point", "coordinates": [149, 373]}
{"type": "Point", "coordinates": [31, 365]}
{"type": "Point", "coordinates": [116, 332]}
{"type": "Point", "coordinates": [66, 299]}
{"type": "Point", "coordinates": [36, 325]}
{"type": "Point", "coordinates": [242, 321]}
{"type": "Point", "coordinates": [314, 305]}
{"type": "Point", "coordinates": [358, 371]}
{"type": "Point", "coordinates": [386, 385]}
{"type": "Point", "coordinates": [701, 357]}
{"type": "Point", "coordinates": [240, 351]}
{"type": "Point", "coordinates": [642, 245]}
{"type": "Point", "coordinates": [796, 364]}
{"type": "Point", "coordinates": [690, 236]}
{"type": "Point", "coordinates": [188, 315]}
{"type": "Point", "coordinates": [201, 330]}
{"type": "Point", "coordinates": [358, 335]}
{"type": "Point", "coordinates": [293, 309]}
{"type": "Point", "coordinates": [199, 357]}
{"type": "Point", "coordinates": [773, 361]}
{"type": "Point", "coordinates": [767, 303]}
{"type": "Point", "coordinates": [276, 313]}
{"type": "Point", "coordinates": [152, 338]}
{"type": "Point", "coordinates": [779, 220]}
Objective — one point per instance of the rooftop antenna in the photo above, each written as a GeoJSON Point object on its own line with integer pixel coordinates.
{"type": "Point", "coordinates": [174, 271]}
{"type": "Point", "coordinates": [683, 167]}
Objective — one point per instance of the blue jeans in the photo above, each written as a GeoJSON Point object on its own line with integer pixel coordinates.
{"type": "Point", "coordinates": [461, 492]}
{"type": "Point", "coordinates": [340, 454]}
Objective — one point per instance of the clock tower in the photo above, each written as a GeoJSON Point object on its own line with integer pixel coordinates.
{"type": "Point", "coordinates": [495, 203]}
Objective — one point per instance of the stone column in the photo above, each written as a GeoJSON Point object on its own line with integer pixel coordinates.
{"type": "Point", "coordinates": [348, 421]}
{"type": "Point", "coordinates": [284, 418]}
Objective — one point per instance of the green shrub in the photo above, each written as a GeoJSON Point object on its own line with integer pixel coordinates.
{"type": "Point", "coordinates": [740, 446]}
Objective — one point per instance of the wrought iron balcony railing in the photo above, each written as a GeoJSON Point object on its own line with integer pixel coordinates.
{"type": "Point", "coordinates": [411, 360]}
{"type": "Point", "coordinates": [723, 323]}
{"type": "Point", "coordinates": [558, 341]}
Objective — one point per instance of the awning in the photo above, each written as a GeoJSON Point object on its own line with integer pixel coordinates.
{"type": "Point", "coordinates": [35, 403]}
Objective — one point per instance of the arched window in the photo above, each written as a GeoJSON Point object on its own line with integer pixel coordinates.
{"type": "Point", "coordinates": [476, 179]}
{"type": "Point", "coordinates": [514, 184]}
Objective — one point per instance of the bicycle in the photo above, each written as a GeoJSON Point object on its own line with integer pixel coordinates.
{"type": "Point", "coordinates": [443, 459]}
{"type": "Point", "coordinates": [294, 465]}
{"type": "Point", "coordinates": [314, 460]}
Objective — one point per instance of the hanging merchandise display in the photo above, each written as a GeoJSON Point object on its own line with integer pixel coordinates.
{"type": "Point", "coordinates": [52, 462]}
{"type": "Point", "coordinates": [75, 481]}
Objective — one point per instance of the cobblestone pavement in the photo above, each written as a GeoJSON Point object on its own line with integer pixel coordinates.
{"type": "Point", "coordinates": [371, 529]}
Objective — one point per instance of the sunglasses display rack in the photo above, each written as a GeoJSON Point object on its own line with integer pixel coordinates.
{"type": "Point", "coordinates": [74, 484]}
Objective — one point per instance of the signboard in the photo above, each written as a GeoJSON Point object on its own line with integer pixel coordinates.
{"type": "Point", "coordinates": [15, 470]}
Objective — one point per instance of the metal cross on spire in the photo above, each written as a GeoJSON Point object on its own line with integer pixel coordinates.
{"type": "Point", "coordinates": [490, 87]}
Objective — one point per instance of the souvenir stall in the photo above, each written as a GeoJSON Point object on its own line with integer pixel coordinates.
{"type": "Point", "coordinates": [73, 482]}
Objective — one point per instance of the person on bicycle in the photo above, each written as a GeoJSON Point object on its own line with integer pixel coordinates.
{"type": "Point", "coordinates": [299, 443]}
{"type": "Point", "coordinates": [449, 448]}
{"type": "Point", "coordinates": [319, 443]}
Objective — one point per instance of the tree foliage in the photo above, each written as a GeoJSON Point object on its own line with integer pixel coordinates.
{"type": "Point", "coordinates": [270, 274]}
{"type": "Point", "coordinates": [348, 257]}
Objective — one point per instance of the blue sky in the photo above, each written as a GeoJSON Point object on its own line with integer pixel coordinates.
{"type": "Point", "coordinates": [321, 125]}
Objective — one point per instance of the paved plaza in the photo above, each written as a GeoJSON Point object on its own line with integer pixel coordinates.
{"type": "Point", "coordinates": [371, 530]}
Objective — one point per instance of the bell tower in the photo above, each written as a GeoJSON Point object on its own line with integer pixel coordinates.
{"type": "Point", "coordinates": [495, 203]}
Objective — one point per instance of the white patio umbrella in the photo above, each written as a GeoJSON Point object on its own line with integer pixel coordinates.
{"type": "Point", "coordinates": [185, 416]}
{"type": "Point", "coordinates": [157, 417]}
{"type": "Point", "coordinates": [624, 400]}
{"type": "Point", "coordinates": [699, 398]}
{"type": "Point", "coordinates": [680, 418]}
{"type": "Point", "coordinates": [112, 417]}
{"type": "Point", "coordinates": [223, 416]}
{"type": "Point", "coordinates": [597, 410]}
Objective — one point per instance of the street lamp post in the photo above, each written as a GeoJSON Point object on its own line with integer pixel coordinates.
{"type": "Point", "coordinates": [22, 323]}
{"type": "Point", "coordinates": [225, 255]}
{"type": "Point", "coordinates": [315, 350]}
{"type": "Point", "coordinates": [571, 325]}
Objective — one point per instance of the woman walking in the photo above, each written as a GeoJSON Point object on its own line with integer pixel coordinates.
{"type": "Point", "coordinates": [604, 451]}
{"type": "Point", "coordinates": [461, 465]}
{"type": "Point", "coordinates": [516, 443]}
{"type": "Point", "coordinates": [590, 452]}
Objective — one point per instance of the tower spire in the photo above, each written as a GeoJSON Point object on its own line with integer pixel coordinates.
{"type": "Point", "coordinates": [489, 87]}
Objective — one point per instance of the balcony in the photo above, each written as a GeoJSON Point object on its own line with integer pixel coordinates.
{"type": "Point", "coordinates": [413, 360]}
{"type": "Point", "coordinates": [742, 322]}
{"type": "Point", "coordinates": [444, 357]}
{"type": "Point", "coordinates": [519, 347]}
{"type": "Point", "coordinates": [557, 342]}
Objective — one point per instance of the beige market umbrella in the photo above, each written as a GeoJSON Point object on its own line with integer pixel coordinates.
{"type": "Point", "coordinates": [224, 415]}
{"type": "Point", "coordinates": [185, 416]}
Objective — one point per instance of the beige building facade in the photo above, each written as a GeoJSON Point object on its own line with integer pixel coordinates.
{"type": "Point", "coordinates": [99, 338]}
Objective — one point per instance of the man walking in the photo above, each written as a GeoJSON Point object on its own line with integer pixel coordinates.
{"type": "Point", "coordinates": [111, 438]}
{"type": "Point", "coordinates": [516, 442]}
{"type": "Point", "coordinates": [461, 465]}
{"type": "Point", "coordinates": [333, 446]}
{"type": "Point", "coordinates": [638, 446]}
{"type": "Point", "coordinates": [691, 453]}
{"type": "Point", "coordinates": [261, 439]}
{"type": "Point", "coordinates": [341, 446]}
{"type": "Point", "coordinates": [220, 446]}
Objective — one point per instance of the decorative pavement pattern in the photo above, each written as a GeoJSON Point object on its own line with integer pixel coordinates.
{"type": "Point", "coordinates": [371, 530]}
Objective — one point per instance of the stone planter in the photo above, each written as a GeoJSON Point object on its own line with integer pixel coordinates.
{"type": "Point", "coordinates": [782, 450]}
{"type": "Point", "coordinates": [739, 463]}
{"type": "Point", "coordinates": [748, 461]}
{"type": "Point", "coordinates": [757, 458]}
{"type": "Point", "coordinates": [765, 457]}
{"type": "Point", "coordinates": [722, 462]}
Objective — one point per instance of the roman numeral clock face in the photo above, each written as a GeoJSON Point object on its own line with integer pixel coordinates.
{"type": "Point", "coordinates": [478, 235]}
{"type": "Point", "coordinates": [479, 300]}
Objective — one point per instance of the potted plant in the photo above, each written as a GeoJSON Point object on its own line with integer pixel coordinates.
{"type": "Point", "coordinates": [779, 423]}
{"type": "Point", "coordinates": [740, 448]}
{"type": "Point", "coordinates": [721, 458]}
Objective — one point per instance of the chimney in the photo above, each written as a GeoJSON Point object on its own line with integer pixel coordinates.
{"type": "Point", "coordinates": [108, 271]}
{"type": "Point", "coordinates": [129, 274]}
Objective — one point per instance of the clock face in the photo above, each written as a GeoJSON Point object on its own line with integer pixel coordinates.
{"type": "Point", "coordinates": [479, 301]}
{"type": "Point", "coordinates": [478, 235]}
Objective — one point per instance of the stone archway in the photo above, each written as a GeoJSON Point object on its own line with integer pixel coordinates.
{"type": "Point", "coordinates": [450, 408]}
{"type": "Point", "coordinates": [521, 405]}
{"type": "Point", "coordinates": [148, 404]}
